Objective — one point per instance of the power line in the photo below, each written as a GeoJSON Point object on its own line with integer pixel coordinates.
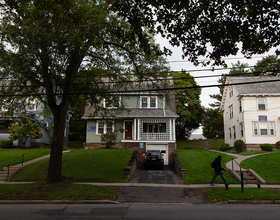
{"type": "Point", "coordinates": [137, 91]}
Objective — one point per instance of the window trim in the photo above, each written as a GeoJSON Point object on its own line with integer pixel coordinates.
{"type": "Point", "coordinates": [149, 101]}
{"type": "Point", "coordinates": [270, 130]}
{"type": "Point", "coordinates": [105, 125]}
{"type": "Point", "coordinates": [258, 104]}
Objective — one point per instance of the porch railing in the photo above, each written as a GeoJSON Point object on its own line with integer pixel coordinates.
{"type": "Point", "coordinates": [8, 166]}
{"type": "Point", "coordinates": [155, 136]}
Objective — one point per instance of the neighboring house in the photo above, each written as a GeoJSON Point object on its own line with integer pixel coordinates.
{"type": "Point", "coordinates": [251, 111]}
{"type": "Point", "coordinates": [35, 112]}
{"type": "Point", "coordinates": [147, 122]}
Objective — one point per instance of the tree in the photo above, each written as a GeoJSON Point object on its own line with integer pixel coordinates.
{"type": "Point", "coordinates": [44, 43]}
{"type": "Point", "coordinates": [24, 130]}
{"type": "Point", "coordinates": [188, 105]}
{"type": "Point", "coordinates": [212, 123]}
{"type": "Point", "coordinates": [268, 66]}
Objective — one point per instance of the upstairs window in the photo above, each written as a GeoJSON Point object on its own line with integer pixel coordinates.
{"type": "Point", "coordinates": [112, 102]}
{"type": "Point", "coordinates": [231, 111]}
{"type": "Point", "coordinates": [261, 104]}
{"type": "Point", "coordinates": [148, 102]}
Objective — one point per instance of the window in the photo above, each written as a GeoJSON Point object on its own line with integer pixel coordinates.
{"type": "Point", "coordinates": [261, 104]}
{"type": "Point", "coordinates": [234, 132]}
{"type": "Point", "coordinates": [229, 133]}
{"type": "Point", "coordinates": [148, 102]}
{"type": "Point", "coordinates": [271, 128]}
{"type": "Point", "coordinates": [31, 104]}
{"type": "Point", "coordinates": [103, 128]}
{"type": "Point", "coordinates": [230, 91]}
{"type": "Point", "coordinates": [241, 130]}
{"type": "Point", "coordinates": [100, 127]}
{"type": "Point", "coordinates": [240, 106]}
{"type": "Point", "coordinates": [255, 125]}
{"type": "Point", "coordinates": [264, 128]}
{"type": "Point", "coordinates": [154, 127]}
{"type": "Point", "coordinates": [231, 111]}
{"type": "Point", "coordinates": [111, 102]}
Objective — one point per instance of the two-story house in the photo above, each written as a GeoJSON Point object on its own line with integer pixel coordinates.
{"type": "Point", "coordinates": [147, 122]}
{"type": "Point", "coordinates": [37, 112]}
{"type": "Point", "coordinates": [251, 111]}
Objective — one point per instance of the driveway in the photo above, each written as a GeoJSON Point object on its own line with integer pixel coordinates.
{"type": "Point", "coordinates": [165, 176]}
{"type": "Point", "coordinates": [152, 194]}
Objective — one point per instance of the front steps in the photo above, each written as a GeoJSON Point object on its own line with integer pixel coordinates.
{"type": "Point", "coordinates": [12, 171]}
{"type": "Point", "coordinates": [249, 176]}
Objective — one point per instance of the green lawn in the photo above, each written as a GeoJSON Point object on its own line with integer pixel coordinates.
{"type": "Point", "coordinates": [60, 191]}
{"type": "Point", "coordinates": [221, 195]}
{"type": "Point", "coordinates": [266, 165]}
{"type": "Point", "coordinates": [8, 155]}
{"type": "Point", "coordinates": [96, 165]}
{"type": "Point", "coordinates": [198, 165]}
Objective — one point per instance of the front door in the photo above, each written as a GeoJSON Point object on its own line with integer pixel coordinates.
{"type": "Point", "coordinates": [128, 130]}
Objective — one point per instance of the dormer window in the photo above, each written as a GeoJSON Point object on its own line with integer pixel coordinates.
{"type": "Point", "coordinates": [148, 102]}
{"type": "Point", "coordinates": [112, 102]}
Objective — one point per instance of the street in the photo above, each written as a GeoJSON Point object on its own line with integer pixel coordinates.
{"type": "Point", "coordinates": [140, 211]}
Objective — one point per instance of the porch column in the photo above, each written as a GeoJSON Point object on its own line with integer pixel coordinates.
{"type": "Point", "coordinates": [174, 130]}
{"type": "Point", "coordinates": [134, 129]}
{"type": "Point", "coordinates": [138, 129]}
{"type": "Point", "coordinates": [170, 130]}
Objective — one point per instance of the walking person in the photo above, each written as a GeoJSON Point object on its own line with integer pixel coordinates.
{"type": "Point", "coordinates": [216, 164]}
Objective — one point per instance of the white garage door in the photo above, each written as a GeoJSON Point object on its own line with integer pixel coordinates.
{"type": "Point", "coordinates": [161, 147]}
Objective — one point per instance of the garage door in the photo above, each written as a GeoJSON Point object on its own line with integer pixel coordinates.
{"type": "Point", "coordinates": [161, 147]}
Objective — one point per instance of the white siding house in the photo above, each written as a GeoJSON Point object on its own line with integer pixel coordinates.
{"type": "Point", "coordinates": [251, 111]}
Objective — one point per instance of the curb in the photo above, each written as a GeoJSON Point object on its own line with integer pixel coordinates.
{"type": "Point", "coordinates": [253, 202]}
{"type": "Point", "coordinates": [6, 202]}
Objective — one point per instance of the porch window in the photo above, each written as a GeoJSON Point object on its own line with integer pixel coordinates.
{"type": "Point", "coordinates": [154, 129]}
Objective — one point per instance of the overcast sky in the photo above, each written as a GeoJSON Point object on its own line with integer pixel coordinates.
{"type": "Point", "coordinates": [177, 64]}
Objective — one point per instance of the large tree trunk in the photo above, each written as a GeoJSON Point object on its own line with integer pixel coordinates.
{"type": "Point", "coordinates": [55, 164]}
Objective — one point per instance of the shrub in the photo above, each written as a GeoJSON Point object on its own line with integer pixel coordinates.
{"type": "Point", "coordinates": [239, 146]}
{"type": "Point", "coordinates": [267, 147]}
{"type": "Point", "coordinates": [278, 144]}
{"type": "Point", "coordinates": [109, 138]}
{"type": "Point", "coordinates": [224, 147]}
{"type": "Point", "coordinates": [6, 144]}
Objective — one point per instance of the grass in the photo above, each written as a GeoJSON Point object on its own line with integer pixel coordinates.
{"type": "Point", "coordinates": [198, 165]}
{"type": "Point", "coordinates": [8, 155]}
{"type": "Point", "coordinates": [266, 165]}
{"type": "Point", "coordinates": [59, 191]}
{"type": "Point", "coordinates": [221, 195]}
{"type": "Point", "coordinates": [80, 165]}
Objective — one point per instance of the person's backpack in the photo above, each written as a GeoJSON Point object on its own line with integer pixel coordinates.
{"type": "Point", "coordinates": [214, 164]}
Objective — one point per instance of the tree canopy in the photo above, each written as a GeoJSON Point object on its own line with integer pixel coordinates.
{"type": "Point", "coordinates": [46, 43]}
{"type": "Point", "coordinates": [188, 104]}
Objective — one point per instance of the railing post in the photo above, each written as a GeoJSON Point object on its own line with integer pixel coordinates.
{"type": "Point", "coordinates": [242, 181]}
{"type": "Point", "coordinates": [22, 160]}
{"type": "Point", "coordinates": [232, 163]}
{"type": "Point", "coordinates": [8, 171]}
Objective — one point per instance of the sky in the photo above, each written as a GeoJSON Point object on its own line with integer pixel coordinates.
{"type": "Point", "coordinates": [177, 64]}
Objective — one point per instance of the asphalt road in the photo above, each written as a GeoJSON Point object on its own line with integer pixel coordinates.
{"type": "Point", "coordinates": [148, 211]}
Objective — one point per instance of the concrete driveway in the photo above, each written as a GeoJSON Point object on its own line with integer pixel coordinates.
{"type": "Point", "coordinates": [152, 194]}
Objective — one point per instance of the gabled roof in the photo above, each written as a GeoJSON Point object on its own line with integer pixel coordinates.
{"type": "Point", "coordinates": [266, 85]}
{"type": "Point", "coordinates": [140, 89]}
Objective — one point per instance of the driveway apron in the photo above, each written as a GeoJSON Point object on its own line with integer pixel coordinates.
{"type": "Point", "coordinates": [146, 194]}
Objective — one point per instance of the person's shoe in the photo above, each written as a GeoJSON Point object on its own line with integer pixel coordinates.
{"type": "Point", "coordinates": [212, 184]}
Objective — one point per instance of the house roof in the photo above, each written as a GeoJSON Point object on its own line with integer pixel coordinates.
{"type": "Point", "coordinates": [261, 85]}
{"type": "Point", "coordinates": [168, 111]}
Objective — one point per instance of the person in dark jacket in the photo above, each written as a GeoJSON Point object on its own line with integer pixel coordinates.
{"type": "Point", "coordinates": [218, 171]}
